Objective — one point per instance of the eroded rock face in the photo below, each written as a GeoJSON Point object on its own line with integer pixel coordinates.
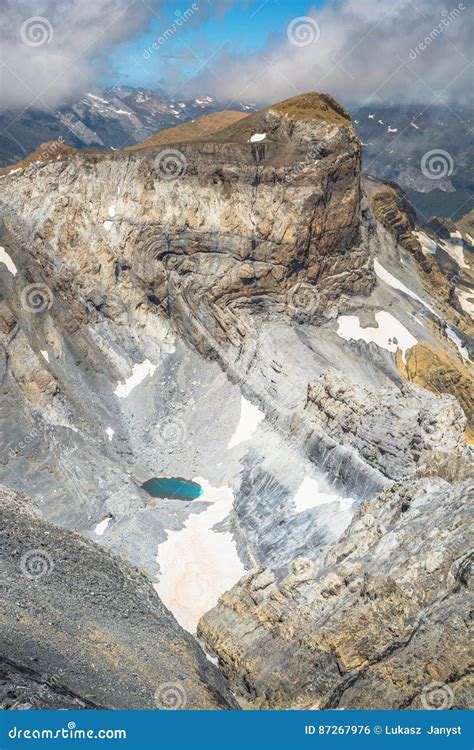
{"type": "Point", "coordinates": [145, 316]}
{"type": "Point", "coordinates": [394, 212]}
{"type": "Point", "coordinates": [239, 223]}
{"type": "Point", "coordinates": [401, 436]}
{"type": "Point", "coordinates": [82, 629]}
{"type": "Point", "coordinates": [371, 624]}
{"type": "Point", "coordinates": [432, 369]}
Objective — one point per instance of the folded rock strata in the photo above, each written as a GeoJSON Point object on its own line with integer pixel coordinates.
{"type": "Point", "coordinates": [155, 297]}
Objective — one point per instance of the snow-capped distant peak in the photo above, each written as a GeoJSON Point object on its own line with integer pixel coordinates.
{"type": "Point", "coordinates": [97, 98]}
{"type": "Point", "coordinates": [204, 100]}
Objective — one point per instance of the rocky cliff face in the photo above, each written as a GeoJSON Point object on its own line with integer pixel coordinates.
{"type": "Point", "coordinates": [240, 309]}
{"type": "Point", "coordinates": [372, 623]}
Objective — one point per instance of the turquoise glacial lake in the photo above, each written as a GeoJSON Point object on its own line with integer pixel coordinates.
{"type": "Point", "coordinates": [173, 488]}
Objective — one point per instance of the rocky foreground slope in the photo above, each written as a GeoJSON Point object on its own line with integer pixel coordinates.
{"type": "Point", "coordinates": [374, 622]}
{"type": "Point", "coordinates": [243, 309]}
{"type": "Point", "coordinates": [81, 629]}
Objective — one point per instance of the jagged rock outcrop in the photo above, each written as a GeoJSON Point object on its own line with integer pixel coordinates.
{"type": "Point", "coordinates": [432, 369]}
{"type": "Point", "coordinates": [82, 629]}
{"type": "Point", "coordinates": [394, 212]}
{"type": "Point", "coordinates": [401, 435]}
{"type": "Point", "coordinates": [371, 624]}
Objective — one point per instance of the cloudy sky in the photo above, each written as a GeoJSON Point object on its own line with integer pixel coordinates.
{"type": "Point", "coordinates": [52, 51]}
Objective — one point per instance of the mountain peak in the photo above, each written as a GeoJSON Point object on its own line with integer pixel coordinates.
{"type": "Point", "coordinates": [314, 106]}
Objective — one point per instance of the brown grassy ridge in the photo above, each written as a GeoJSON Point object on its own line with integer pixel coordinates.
{"type": "Point", "coordinates": [313, 106]}
{"type": "Point", "coordinates": [194, 130]}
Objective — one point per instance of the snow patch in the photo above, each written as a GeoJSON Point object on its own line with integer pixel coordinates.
{"type": "Point", "coordinates": [392, 130]}
{"type": "Point", "coordinates": [112, 210]}
{"type": "Point", "coordinates": [108, 225]}
{"type": "Point", "coordinates": [466, 300]}
{"type": "Point", "coordinates": [7, 261]}
{"type": "Point", "coordinates": [45, 354]}
{"type": "Point", "coordinates": [256, 137]}
{"type": "Point", "coordinates": [101, 527]}
{"type": "Point", "coordinates": [99, 99]}
{"type": "Point", "coordinates": [309, 496]}
{"type": "Point", "coordinates": [250, 418]}
{"type": "Point", "coordinates": [335, 511]}
{"type": "Point", "coordinates": [390, 333]}
{"type": "Point", "coordinates": [392, 281]}
{"type": "Point", "coordinates": [455, 249]}
{"type": "Point", "coordinates": [457, 341]}
{"type": "Point", "coordinates": [427, 244]}
{"type": "Point", "coordinates": [139, 373]}
{"type": "Point", "coordinates": [110, 433]}
{"type": "Point", "coordinates": [199, 564]}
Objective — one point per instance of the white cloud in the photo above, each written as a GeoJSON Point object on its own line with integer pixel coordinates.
{"type": "Point", "coordinates": [361, 49]}
{"type": "Point", "coordinates": [51, 50]}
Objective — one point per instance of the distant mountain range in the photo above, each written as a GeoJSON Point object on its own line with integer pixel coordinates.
{"type": "Point", "coordinates": [425, 151]}
{"type": "Point", "coordinates": [113, 118]}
